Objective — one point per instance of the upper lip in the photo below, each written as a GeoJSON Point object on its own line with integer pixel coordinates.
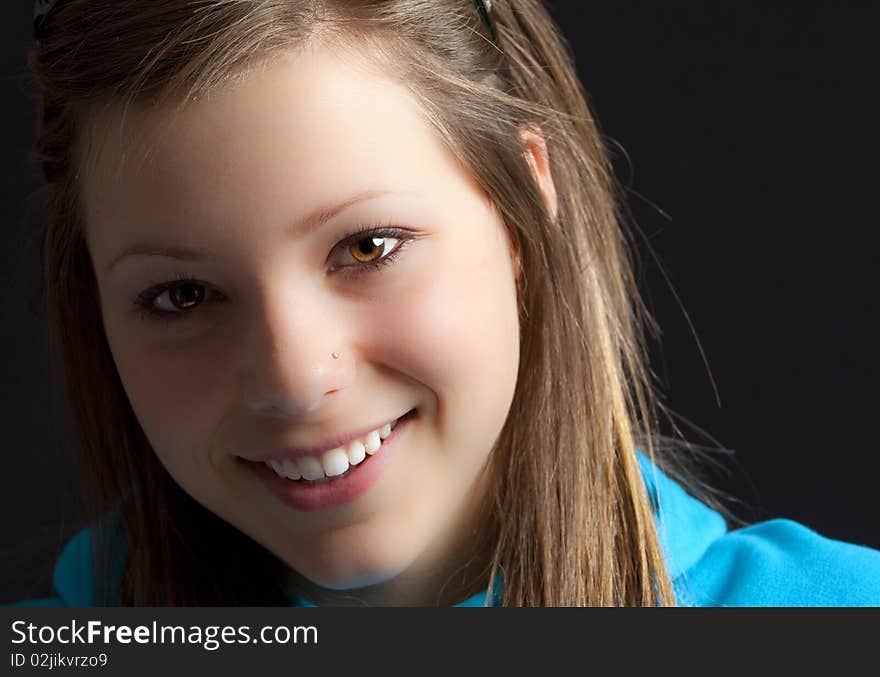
{"type": "Point", "coordinates": [324, 445]}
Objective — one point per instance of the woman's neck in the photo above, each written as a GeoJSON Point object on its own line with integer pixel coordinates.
{"type": "Point", "coordinates": [417, 586]}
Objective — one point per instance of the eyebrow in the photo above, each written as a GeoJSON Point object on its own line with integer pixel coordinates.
{"type": "Point", "coordinates": [302, 226]}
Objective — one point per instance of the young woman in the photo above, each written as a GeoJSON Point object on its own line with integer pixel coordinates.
{"type": "Point", "coordinates": [346, 316]}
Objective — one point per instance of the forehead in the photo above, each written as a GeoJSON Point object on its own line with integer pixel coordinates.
{"type": "Point", "coordinates": [294, 133]}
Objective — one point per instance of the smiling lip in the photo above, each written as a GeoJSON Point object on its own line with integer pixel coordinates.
{"type": "Point", "coordinates": [353, 484]}
{"type": "Point", "coordinates": [290, 453]}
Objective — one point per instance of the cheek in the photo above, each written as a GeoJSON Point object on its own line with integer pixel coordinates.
{"type": "Point", "coordinates": [457, 332]}
{"type": "Point", "coordinates": [171, 394]}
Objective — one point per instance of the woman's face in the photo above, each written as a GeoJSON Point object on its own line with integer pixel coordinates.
{"type": "Point", "coordinates": [250, 196]}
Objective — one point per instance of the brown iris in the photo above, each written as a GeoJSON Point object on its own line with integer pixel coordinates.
{"type": "Point", "coordinates": [366, 249]}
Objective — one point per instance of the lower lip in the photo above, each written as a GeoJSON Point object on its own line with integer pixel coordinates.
{"type": "Point", "coordinates": [354, 484]}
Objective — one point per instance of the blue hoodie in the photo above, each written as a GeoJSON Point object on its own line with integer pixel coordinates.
{"type": "Point", "coordinates": [773, 563]}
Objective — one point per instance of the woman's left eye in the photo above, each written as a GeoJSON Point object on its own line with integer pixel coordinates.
{"type": "Point", "coordinates": [370, 248]}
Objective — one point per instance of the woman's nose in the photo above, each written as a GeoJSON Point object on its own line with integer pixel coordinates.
{"type": "Point", "coordinates": [296, 360]}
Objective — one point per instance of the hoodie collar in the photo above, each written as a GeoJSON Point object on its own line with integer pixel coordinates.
{"type": "Point", "coordinates": [685, 526]}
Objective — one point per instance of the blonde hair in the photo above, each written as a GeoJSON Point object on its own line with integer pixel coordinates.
{"type": "Point", "coordinates": [571, 523]}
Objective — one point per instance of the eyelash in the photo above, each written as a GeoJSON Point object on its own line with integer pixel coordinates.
{"type": "Point", "coordinates": [144, 300]}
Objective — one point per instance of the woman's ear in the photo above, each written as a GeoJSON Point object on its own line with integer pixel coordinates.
{"type": "Point", "coordinates": [535, 151]}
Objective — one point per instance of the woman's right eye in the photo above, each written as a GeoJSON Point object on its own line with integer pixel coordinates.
{"type": "Point", "coordinates": [171, 300]}
{"type": "Point", "coordinates": [182, 296]}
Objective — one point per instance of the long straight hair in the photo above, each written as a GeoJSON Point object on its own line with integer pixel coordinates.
{"type": "Point", "coordinates": [569, 519]}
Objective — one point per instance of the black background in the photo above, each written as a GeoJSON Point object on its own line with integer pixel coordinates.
{"type": "Point", "coordinates": [746, 134]}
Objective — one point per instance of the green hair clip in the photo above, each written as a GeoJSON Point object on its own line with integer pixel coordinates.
{"type": "Point", "coordinates": [483, 8]}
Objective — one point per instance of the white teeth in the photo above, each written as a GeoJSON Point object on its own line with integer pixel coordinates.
{"type": "Point", "coordinates": [290, 470]}
{"type": "Point", "coordinates": [357, 452]}
{"type": "Point", "coordinates": [335, 462]}
{"type": "Point", "coordinates": [372, 443]}
{"type": "Point", "coordinates": [310, 467]}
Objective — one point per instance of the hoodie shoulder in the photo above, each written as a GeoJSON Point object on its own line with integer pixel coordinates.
{"type": "Point", "coordinates": [778, 562]}
{"type": "Point", "coordinates": [782, 563]}
{"type": "Point", "coordinates": [73, 578]}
